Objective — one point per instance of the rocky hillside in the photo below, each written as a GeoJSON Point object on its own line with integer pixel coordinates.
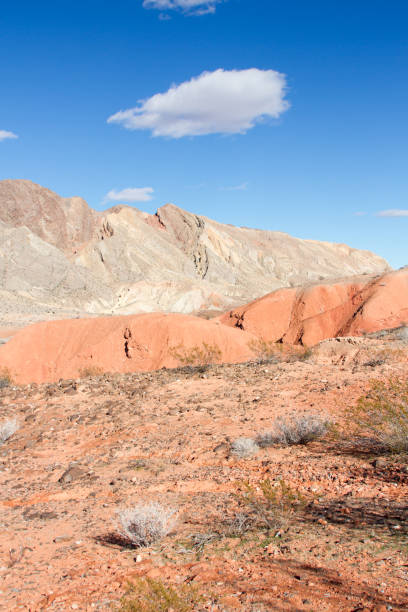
{"type": "Point", "coordinates": [51, 350]}
{"type": "Point", "coordinates": [58, 256]}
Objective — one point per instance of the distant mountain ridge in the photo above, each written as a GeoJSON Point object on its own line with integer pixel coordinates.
{"type": "Point", "coordinates": [57, 254]}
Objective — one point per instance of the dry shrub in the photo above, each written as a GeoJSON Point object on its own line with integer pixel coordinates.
{"type": "Point", "coordinates": [90, 371]}
{"type": "Point", "coordinates": [269, 351]}
{"type": "Point", "coordinates": [146, 524]}
{"type": "Point", "coordinates": [7, 429]}
{"type": "Point", "coordinates": [386, 355]}
{"type": "Point", "coordinates": [148, 595]}
{"type": "Point", "coordinates": [382, 415]}
{"type": "Point", "coordinates": [294, 429]}
{"type": "Point", "coordinates": [206, 354]}
{"type": "Point", "coordinates": [244, 448]}
{"type": "Point", "coordinates": [5, 378]}
{"type": "Point", "coordinates": [266, 350]}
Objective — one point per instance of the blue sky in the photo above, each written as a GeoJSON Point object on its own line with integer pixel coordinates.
{"type": "Point", "coordinates": [299, 123]}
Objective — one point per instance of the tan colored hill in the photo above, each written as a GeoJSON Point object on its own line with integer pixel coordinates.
{"type": "Point", "coordinates": [58, 257]}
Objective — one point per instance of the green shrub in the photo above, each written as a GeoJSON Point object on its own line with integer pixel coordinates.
{"type": "Point", "coordinates": [273, 505]}
{"type": "Point", "coordinates": [382, 414]}
{"type": "Point", "coordinates": [148, 595]}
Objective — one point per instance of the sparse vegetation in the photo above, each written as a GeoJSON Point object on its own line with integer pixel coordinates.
{"type": "Point", "coordinates": [90, 371]}
{"type": "Point", "coordinates": [146, 524]}
{"type": "Point", "coordinates": [294, 429]}
{"type": "Point", "coordinates": [7, 429]}
{"type": "Point", "coordinates": [382, 414]}
{"type": "Point", "coordinates": [5, 378]}
{"type": "Point", "coordinates": [148, 595]}
{"type": "Point", "coordinates": [268, 351]}
{"type": "Point", "coordinates": [203, 355]}
{"type": "Point", "coordinates": [243, 448]}
{"type": "Point", "coordinates": [270, 504]}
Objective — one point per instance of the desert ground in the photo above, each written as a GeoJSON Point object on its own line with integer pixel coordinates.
{"type": "Point", "coordinates": [155, 362]}
{"type": "Point", "coordinates": [86, 449]}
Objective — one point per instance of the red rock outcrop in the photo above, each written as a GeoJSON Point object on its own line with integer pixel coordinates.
{"type": "Point", "coordinates": [308, 315]}
{"type": "Point", "coordinates": [48, 351]}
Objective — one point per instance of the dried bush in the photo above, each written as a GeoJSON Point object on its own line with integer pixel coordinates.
{"type": "Point", "coordinates": [5, 378]}
{"type": "Point", "coordinates": [146, 524]}
{"type": "Point", "coordinates": [7, 429]}
{"type": "Point", "coordinates": [271, 505]}
{"type": "Point", "coordinates": [206, 354]}
{"type": "Point", "coordinates": [268, 351]}
{"type": "Point", "coordinates": [244, 448]}
{"type": "Point", "coordinates": [382, 414]}
{"type": "Point", "coordinates": [148, 595]}
{"type": "Point", "coordinates": [89, 371]}
{"type": "Point", "coordinates": [295, 429]}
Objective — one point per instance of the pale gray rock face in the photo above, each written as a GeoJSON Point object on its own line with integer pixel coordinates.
{"type": "Point", "coordinates": [57, 253]}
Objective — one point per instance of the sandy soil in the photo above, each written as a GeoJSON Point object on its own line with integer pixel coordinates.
{"type": "Point", "coordinates": [87, 448]}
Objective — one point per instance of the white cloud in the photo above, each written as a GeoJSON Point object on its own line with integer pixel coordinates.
{"type": "Point", "coordinates": [130, 195]}
{"type": "Point", "coordinates": [393, 212]}
{"type": "Point", "coordinates": [241, 187]}
{"type": "Point", "coordinates": [219, 102]}
{"type": "Point", "coordinates": [192, 7]}
{"type": "Point", "coordinates": [4, 135]}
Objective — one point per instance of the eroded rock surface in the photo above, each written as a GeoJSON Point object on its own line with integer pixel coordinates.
{"type": "Point", "coordinates": [307, 315]}
{"type": "Point", "coordinates": [52, 350]}
{"type": "Point", "coordinates": [58, 257]}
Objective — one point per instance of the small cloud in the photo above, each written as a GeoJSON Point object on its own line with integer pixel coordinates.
{"type": "Point", "coordinates": [393, 212]}
{"type": "Point", "coordinates": [242, 187]}
{"type": "Point", "coordinates": [359, 214]}
{"type": "Point", "coordinates": [4, 135]}
{"type": "Point", "coordinates": [197, 186]}
{"type": "Point", "coordinates": [190, 7]}
{"type": "Point", "coordinates": [219, 102]}
{"type": "Point", "coordinates": [130, 195]}
{"type": "Point", "coordinates": [164, 17]}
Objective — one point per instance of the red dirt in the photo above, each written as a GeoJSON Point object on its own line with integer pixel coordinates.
{"type": "Point", "coordinates": [165, 436]}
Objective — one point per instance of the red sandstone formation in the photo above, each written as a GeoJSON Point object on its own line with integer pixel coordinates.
{"type": "Point", "coordinates": [308, 315]}
{"type": "Point", "coordinates": [48, 351]}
